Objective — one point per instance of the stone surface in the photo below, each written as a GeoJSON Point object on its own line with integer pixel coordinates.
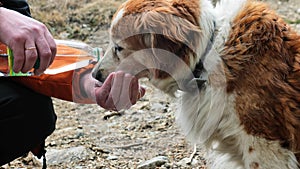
{"type": "Point", "coordinates": [153, 163]}
{"type": "Point", "coordinates": [56, 157]}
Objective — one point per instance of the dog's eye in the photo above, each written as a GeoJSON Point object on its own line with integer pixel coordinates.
{"type": "Point", "coordinates": [118, 48]}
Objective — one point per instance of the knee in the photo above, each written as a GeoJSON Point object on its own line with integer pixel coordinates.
{"type": "Point", "coordinates": [30, 117]}
{"type": "Point", "coordinates": [42, 114]}
{"type": "Point", "coordinates": [38, 112]}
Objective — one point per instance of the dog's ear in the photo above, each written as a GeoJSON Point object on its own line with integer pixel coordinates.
{"type": "Point", "coordinates": [169, 32]}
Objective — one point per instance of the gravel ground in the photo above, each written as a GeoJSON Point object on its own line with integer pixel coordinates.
{"type": "Point", "coordinates": [107, 139]}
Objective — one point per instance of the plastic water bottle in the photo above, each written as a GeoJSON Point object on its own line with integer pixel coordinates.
{"type": "Point", "coordinates": [86, 50]}
{"type": "Point", "coordinates": [70, 55]}
{"type": "Point", "coordinates": [73, 55]}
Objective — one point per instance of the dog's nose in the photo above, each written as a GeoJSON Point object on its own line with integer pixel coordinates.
{"type": "Point", "coordinates": [99, 76]}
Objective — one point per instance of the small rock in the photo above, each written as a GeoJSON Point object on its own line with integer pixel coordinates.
{"type": "Point", "coordinates": [78, 167]}
{"type": "Point", "coordinates": [56, 157]}
{"type": "Point", "coordinates": [187, 162]}
{"type": "Point", "coordinates": [52, 143]}
{"type": "Point", "coordinates": [157, 106]}
{"type": "Point", "coordinates": [298, 11]}
{"type": "Point", "coordinates": [153, 163]}
{"type": "Point", "coordinates": [112, 157]}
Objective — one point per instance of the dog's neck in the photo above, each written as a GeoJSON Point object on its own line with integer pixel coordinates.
{"type": "Point", "coordinates": [208, 25]}
{"type": "Point", "coordinates": [199, 66]}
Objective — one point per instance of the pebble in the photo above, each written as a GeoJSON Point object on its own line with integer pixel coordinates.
{"type": "Point", "coordinates": [187, 162]}
{"type": "Point", "coordinates": [153, 163]}
{"type": "Point", "coordinates": [64, 156]}
{"type": "Point", "coordinates": [112, 157]}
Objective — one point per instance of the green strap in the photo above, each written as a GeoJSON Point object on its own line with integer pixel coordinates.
{"type": "Point", "coordinates": [11, 64]}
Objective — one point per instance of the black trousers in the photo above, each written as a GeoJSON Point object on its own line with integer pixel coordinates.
{"type": "Point", "coordinates": [26, 120]}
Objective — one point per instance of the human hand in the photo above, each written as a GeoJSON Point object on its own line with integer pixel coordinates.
{"type": "Point", "coordinates": [28, 39]}
{"type": "Point", "coordinates": [119, 91]}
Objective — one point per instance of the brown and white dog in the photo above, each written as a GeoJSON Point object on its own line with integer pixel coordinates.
{"type": "Point", "coordinates": [236, 65]}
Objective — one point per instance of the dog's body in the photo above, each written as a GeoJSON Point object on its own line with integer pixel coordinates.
{"type": "Point", "coordinates": [245, 108]}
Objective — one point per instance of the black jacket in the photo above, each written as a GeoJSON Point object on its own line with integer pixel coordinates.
{"type": "Point", "coordinates": [17, 5]}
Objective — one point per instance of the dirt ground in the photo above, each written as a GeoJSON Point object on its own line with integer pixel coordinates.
{"type": "Point", "coordinates": [116, 140]}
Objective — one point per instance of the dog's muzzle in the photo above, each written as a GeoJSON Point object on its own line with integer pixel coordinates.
{"type": "Point", "coordinates": [98, 75]}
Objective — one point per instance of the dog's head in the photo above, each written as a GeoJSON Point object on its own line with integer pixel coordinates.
{"type": "Point", "coordinates": [158, 39]}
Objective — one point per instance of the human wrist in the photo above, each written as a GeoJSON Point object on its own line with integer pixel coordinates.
{"type": "Point", "coordinates": [87, 85]}
{"type": "Point", "coordinates": [83, 86]}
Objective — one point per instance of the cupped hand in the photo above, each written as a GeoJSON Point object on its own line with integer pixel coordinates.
{"type": "Point", "coordinates": [119, 91]}
{"type": "Point", "coordinates": [29, 40]}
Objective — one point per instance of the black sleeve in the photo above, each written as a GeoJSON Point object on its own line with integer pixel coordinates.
{"type": "Point", "coordinates": [17, 5]}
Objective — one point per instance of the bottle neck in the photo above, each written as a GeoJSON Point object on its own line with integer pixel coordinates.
{"type": "Point", "coordinates": [97, 53]}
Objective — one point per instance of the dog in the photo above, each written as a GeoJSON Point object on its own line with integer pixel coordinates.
{"type": "Point", "coordinates": [234, 67]}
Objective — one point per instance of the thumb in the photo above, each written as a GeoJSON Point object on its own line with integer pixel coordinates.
{"type": "Point", "coordinates": [142, 92]}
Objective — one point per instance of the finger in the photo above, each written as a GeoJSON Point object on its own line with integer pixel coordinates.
{"type": "Point", "coordinates": [30, 56]}
{"type": "Point", "coordinates": [117, 87]}
{"type": "Point", "coordinates": [125, 101]}
{"type": "Point", "coordinates": [19, 56]}
{"type": "Point", "coordinates": [134, 90]}
{"type": "Point", "coordinates": [52, 46]}
{"type": "Point", "coordinates": [44, 54]}
{"type": "Point", "coordinates": [102, 92]}
{"type": "Point", "coordinates": [109, 103]}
